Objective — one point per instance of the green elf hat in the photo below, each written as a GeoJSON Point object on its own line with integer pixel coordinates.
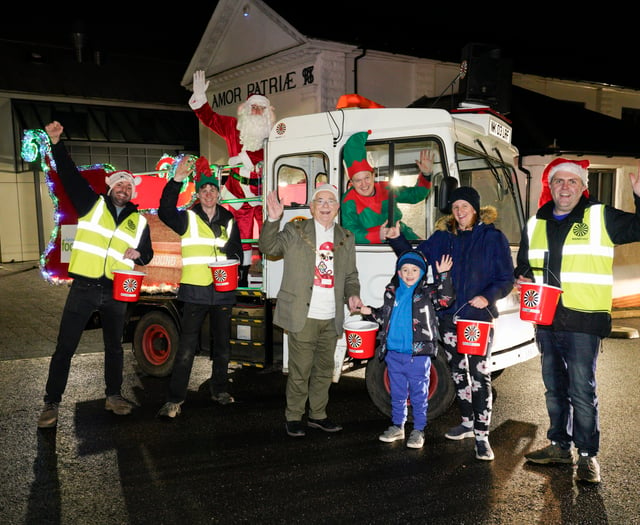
{"type": "Point", "coordinates": [204, 174]}
{"type": "Point", "coordinates": [355, 154]}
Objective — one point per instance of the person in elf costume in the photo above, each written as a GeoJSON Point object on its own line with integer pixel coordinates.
{"type": "Point", "coordinates": [365, 205]}
{"type": "Point", "coordinates": [244, 137]}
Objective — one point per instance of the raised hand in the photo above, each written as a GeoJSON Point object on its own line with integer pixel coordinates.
{"type": "Point", "coordinates": [274, 208]}
{"type": "Point", "coordinates": [54, 130]}
{"type": "Point", "coordinates": [200, 85]}
{"type": "Point", "coordinates": [425, 164]}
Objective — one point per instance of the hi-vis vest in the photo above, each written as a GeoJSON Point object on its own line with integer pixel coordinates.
{"type": "Point", "coordinates": [99, 245]}
{"type": "Point", "coordinates": [200, 247]}
{"type": "Point", "coordinates": [586, 273]}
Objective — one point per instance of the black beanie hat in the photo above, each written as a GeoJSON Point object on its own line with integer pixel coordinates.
{"type": "Point", "coordinates": [466, 193]}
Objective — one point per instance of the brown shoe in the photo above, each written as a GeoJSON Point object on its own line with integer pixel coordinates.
{"type": "Point", "coordinates": [49, 416]}
{"type": "Point", "coordinates": [118, 405]}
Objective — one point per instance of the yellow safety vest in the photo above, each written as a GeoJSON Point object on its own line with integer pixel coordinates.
{"type": "Point", "coordinates": [200, 247]}
{"type": "Point", "coordinates": [586, 273]}
{"type": "Point", "coordinates": [99, 245]}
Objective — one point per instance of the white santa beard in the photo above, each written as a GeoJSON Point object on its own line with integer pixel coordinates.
{"type": "Point", "coordinates": [253, 130]}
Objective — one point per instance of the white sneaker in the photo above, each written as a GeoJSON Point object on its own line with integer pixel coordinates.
{"type": "Point", "coordinates": [170, 410]}
{"type": "Point", "coordinates": [416, 439]}
{"type": "Point", "coordinates": [393, 433]}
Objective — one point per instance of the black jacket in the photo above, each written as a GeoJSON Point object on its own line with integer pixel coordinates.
{"type": "Point", "coordinates": [178, 221]}
{"type": "Point", "coordinates": [83, 198]}
{"type": "Point", "coordinates": [622, 227]}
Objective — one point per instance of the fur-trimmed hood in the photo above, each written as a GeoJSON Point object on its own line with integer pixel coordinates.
{"type": "Point", "coordinates": [488, 215]}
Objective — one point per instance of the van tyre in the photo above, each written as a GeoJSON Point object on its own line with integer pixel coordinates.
{"type": "Point", "coordinates": [441, 388]}
{"type": "Point", "coordinates": [155, 344]}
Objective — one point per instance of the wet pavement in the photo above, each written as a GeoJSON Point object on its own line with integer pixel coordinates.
{"type": "Point", "coordinates": [235, 464]}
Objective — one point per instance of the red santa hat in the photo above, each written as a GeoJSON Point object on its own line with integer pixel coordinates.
{"type": "Point", "coordinates": [578, 167]}
{"type": "Point", "coordinates": [122, 175]}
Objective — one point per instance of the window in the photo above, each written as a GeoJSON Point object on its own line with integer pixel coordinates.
{"type": "Point", "coordinates": [601, 185]}
{"type": "Point", "coordinates": [395, 163]}
{"type": "Point", "coordinates": [293, 176]}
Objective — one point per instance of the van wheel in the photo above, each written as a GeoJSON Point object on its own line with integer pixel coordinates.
{"type": "Point", "coordinates": [441, 388]}
{"type": "Point", "coordinates": [155, 343]}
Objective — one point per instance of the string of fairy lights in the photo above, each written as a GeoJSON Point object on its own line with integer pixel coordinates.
{"type": "Point", "coordinates": [36, 146]}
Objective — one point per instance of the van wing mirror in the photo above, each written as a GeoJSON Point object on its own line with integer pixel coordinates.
{"type": "Point", "coordinates": [447, 185]}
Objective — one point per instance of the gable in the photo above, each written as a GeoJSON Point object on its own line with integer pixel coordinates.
{"type": "Point", "coordinates": [240, 33]}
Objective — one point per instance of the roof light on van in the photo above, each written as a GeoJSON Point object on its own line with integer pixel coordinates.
{"type": "Point", "coordinates": [356, 101]}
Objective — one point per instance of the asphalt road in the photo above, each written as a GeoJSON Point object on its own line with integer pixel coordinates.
{"type": "Point", "coordinates": [235, 464]}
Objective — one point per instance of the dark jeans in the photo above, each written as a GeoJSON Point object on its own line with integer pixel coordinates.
{"type": "Point", "coordinates": [193, 316]}
{"type": "Point", "coordinates": [83, 300]}
{"type": "Point", "coordinates": [569, 375]}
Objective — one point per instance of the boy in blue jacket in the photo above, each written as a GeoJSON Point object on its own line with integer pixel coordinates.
{"type": "Point", "coordinates": [409, 329]}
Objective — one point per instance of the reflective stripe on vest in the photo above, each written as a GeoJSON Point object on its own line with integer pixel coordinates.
{"type": "Point", "coordinates": [586, 273]}
{"type": "Point", "coordinates": [99, 245]}
{"type": "Point", "coordinates": [200, 246]}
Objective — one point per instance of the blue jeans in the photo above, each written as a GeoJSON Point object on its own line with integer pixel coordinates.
{"type": "Point", "coordinates": [193, 316]}
{"type": "Point", "coordinates": [83, 300]}
{"type": "Point", "coordinates": [408, 376]}
{"type": "Point", "coordinates": [569, 376]}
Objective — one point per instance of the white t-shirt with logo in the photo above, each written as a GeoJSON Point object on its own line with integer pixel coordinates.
{"type": "Point", "coordinates": [323, 304]}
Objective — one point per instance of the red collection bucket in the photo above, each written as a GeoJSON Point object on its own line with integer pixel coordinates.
{"type": "Point", "coordinates": [225, 274]}
{"type": "Point", "coordinates": [538, 302]}
{"type": "Point", "coordinates": [361, 338]}
{"type": "Point", "coordinates": [126, 285]}
{"type": "Point", "coordinates": [473, 336]}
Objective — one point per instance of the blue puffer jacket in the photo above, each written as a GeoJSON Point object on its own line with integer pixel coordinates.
{"type": "Point", "coordinates": [482, 263]}
{"type": "Point", "coordinates": [427, 299]}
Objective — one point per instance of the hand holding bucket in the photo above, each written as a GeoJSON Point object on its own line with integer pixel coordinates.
{"type": "Point", "coordinates": [225, 274]}
{"type": "Point", "coordinates": [127, 285]}
{"type": "Point", "coordinates": [538, 302]}
{"type": "Point", "coordinates": [361, 338]}
{"type": "Point", "coordinates": [473, 336]}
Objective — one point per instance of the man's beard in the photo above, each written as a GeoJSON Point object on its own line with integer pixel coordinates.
{"type": "Point", "coordinates": [253, 130]}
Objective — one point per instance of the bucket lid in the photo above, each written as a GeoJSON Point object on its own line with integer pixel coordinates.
{"type": "Point", "coordinates": [360, 326]}
{"type": "Point", "coordinates": [225, 262]}
{"type": "Point", "coordinates": [129, 272]}
{"type": "Point", "coordinates": [472, 321]}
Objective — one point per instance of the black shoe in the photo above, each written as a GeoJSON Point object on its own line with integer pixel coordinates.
{"type": "Point", "coordinates": [324, 424]}
{"type": "Point", "coordinates": [295, 429]}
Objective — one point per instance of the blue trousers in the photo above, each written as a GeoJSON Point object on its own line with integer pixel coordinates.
{"type": "Point", "coordinates": [569, 375]}
{"type": "Point", "coordinates": [408, 378]}
{"type": "Point", "coordinates": [82, 301]}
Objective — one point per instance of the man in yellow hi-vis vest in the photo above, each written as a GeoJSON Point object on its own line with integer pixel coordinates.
{"type": "Point", "coordinates": [111, 235]}
{"type": "Point", "coordinates": [208, 232]}
{"type": "Point", "coordinates": [569, 244]}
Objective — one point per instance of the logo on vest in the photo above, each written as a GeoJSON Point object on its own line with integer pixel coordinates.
{"type": "Point", "coordinates": [580, 230]}
{"type": "Point", "coordinates": [131, 225]}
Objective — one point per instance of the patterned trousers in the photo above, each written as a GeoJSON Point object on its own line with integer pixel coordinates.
{"type": "Point", "coordinates": [472, 380]}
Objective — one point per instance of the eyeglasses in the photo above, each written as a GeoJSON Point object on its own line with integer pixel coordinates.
{"type": "Point", "coordinates": [322, 202]}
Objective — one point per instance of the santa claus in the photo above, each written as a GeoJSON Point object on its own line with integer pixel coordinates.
{"type": "Point", "coordinates": [244, 137]}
